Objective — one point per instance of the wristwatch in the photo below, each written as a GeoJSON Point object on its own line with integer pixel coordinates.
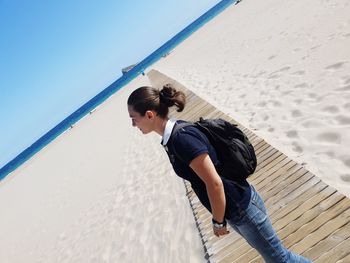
{"type": "Point", "coordinates": [218, 225]}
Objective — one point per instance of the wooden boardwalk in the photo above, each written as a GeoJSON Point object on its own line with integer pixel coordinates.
{"type": "Point", "coordinates": [312, 218]}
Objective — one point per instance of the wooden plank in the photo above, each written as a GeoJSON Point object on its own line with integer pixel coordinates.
{"type": "Point", "coordinates": [311, 221]}
{"type": "Point", "coordinates": [268, 175]}
{"type": "Point", "coordinates": [257, 143]}
{"type": "Point", "coordinates": [328, 244]}
{"type": "Point", "coordinates": [344, 260]}
{"type": "Point", "coordinates": [317, 207]}
{"type": "Point", "coordinates": [243, 254]}
{"type": "Point", "coordinates": [275, 175]}
{"type": "Point", "coordinates": [337, 253]}
{"type": "Point", "coordinates": [222, 250]}
{"type": "Point", "coordinates": [198, 111]}
{"type": "Point", "coordinates": [257, 260]}
{"type": "Point", "coordinates": [303, 202]}
{"type": "Point", "coordinates": [221, 244]}
{"type": "Point", "coordinates": [260, 148]}
{"type": "Point", "coordinates": [246, 257]}
{"type": "Point", "coordinates": [272, 171]}
{"type": "Point", "coordinates": [266, 159]}
{"type": "Point", "coordinates": [301, 180]}
{"type": "Point", "coordinates": [324, 227]}
{"type": "Point", "coordinates": [232, 250]}
{"type": "Point", "coordinates": [282, 198]}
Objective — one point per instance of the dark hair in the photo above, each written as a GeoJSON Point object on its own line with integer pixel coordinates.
{"type": "Point", "coordinates": [148, 98]}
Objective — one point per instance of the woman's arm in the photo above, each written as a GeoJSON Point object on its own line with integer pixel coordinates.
{"type": "Point", "coordinates": [205, 169]}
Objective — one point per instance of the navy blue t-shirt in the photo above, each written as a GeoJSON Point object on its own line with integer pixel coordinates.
{"type": "Point", "coordinates": [189, 142]}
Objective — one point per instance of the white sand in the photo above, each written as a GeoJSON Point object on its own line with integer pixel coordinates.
{"type": "Point", "coordinates": [101, 192]}
{"type": "Point", "coordinates": [282, 69]}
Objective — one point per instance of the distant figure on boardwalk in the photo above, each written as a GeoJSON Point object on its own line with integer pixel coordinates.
{"type": "Point", "coordinates": [237, 204]}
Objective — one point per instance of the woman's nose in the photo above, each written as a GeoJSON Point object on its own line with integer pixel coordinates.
{"type": "Point", "coordinates": [133, 123]}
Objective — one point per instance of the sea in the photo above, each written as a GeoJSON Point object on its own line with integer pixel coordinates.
{"type": "Point", "coordinates": [111, 89]}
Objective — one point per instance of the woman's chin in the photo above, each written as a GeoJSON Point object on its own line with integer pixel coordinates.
{"type": "Point", "coordinates": [144, 132]}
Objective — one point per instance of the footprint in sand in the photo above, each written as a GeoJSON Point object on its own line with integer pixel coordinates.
{"type": "Point", "coordinates": [331, 109]}
{"type": "Point", "coordinates": [262, 104]}
{"type": "Point", "coordinates": [276, 103]}
{"type": "Point", "coordinates": [344, 88]}
{"type": "Point", "coordinates": [346, 80]}
{"type": "Point", "coordinates": [347, 106]}
{"type": "Point", "coordinates": [284, 93]}
{"type": "Point", "coordinates": [346, 161]}
{"type": "Point", "coordinates": [286, 68]}
{"type": "Point", "coordinates": [298, 101]}
{"type": "Point", "coordinates": [311, 124]}
{"type": "Point", "coordinates": [263, 92]}
{"type": "Point", "coordinates": [297, 148]}
{"type": "Point", "coordinates": [331, 37]}
{"type": "Point", "coordinates": [342, 120]}
{"type": "Point", "coordinates": [273, 76]}
{"type": "Point", "coordinates": [329, 137]}
{"type": "Point", "coordinates": [292, 134]}
{"type": "Point", "coordinates": [335, 66]}
{"type": "Point", "coordinates": [314, 97]}
{"type": "Point", "coordinates": [265, 118]}
{"type": "Point", "coordinates": [301, 85]}
{"type": "Point", "coordinates": [345, 177]}
{"type": "Point", "coordinates": [299, 73]}
{"type": "Point", "coordinates": [315, 47]}
{"type": "Point", "coordinates": [296, 113]}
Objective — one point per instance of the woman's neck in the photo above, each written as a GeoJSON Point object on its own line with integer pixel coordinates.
{"type": "Point", "coordinates": [160, 126]}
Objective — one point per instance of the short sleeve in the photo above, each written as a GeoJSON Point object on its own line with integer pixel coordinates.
{"type": "Point", "coordinates": [188, 145]}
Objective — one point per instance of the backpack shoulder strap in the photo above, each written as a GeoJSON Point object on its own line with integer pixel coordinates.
{"type": "Point", "coordinates": [177, 127]}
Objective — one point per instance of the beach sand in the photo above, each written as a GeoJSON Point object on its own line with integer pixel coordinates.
{"type": "Point", "coordinates": [100, 192]}
{"type": "Point", "coordinates": [282, 70]}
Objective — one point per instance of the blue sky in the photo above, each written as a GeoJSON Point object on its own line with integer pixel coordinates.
{"type": "Point", "coordinates": [56, 55]}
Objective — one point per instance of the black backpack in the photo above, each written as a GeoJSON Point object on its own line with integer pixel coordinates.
{"type": "Point", "coordinates": [234, 151]}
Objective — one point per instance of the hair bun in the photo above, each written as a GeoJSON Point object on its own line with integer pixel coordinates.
{"type": "Point", "coordinates": [169, 90]}
{"type": "Point", "coordinates": [167, 94]}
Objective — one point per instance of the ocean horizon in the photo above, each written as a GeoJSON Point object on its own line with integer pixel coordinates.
{"type": "Point", "coordinates": [97, 100]}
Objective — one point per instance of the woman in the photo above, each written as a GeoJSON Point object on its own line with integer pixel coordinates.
{"type": "Point", "coordinates": [237, 204]}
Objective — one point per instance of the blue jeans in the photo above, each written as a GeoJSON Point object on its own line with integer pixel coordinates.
{"type": "Point", "coordinates": [254, 225]}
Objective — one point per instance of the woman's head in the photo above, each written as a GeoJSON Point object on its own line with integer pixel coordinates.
{"type": "Point", "coordinates": [147, 103]}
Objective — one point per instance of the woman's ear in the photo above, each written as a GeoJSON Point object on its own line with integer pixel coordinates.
{"type": "Point", "coordinates": [150, 114]}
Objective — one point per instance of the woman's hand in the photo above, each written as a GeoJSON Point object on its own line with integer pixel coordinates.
{"type": "Point", "coordinates": [220, 231]}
